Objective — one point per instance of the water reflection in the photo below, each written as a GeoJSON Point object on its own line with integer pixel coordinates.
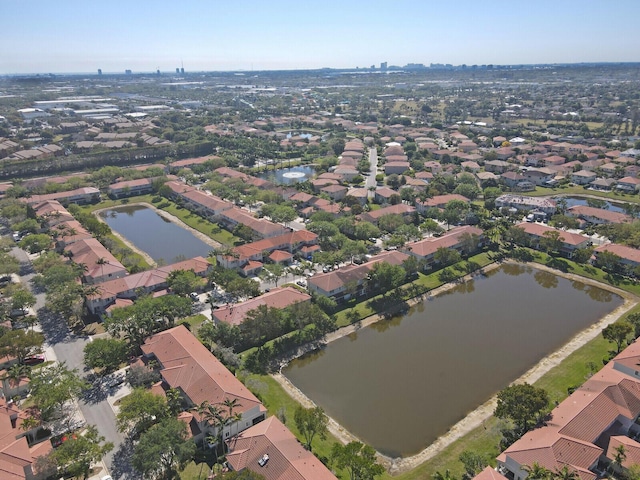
{"type": "Point", "coordinates": [154, 234]}
{"type": "Point", "coordinates": [546, 279]}
{"type": "Point", "coordinates": [387, 323]}
{"type": "Point", "coordinates": [513, 269]}
{"type": "Point", "coordinates": [310, 357]}
{"type": "Point", "coordinates": [598, 294]}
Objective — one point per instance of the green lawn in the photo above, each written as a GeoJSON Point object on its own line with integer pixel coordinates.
{"type": "Point", "coordinates": [193, 322]}
{"type": "Point", "coordinates": [581, 191]}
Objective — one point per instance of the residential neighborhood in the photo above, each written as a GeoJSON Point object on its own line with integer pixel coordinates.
{"type": "Point", "coordinates": [174, 245]}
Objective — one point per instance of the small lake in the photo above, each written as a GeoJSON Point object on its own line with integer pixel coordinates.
{"type": "Point", "coordinates": [288, 176]}
{"type": "Point", "coordinates": [401, 383]}
{"type": "Point", "coordinates": [573, 201]}
{"type": "Point", "coordinates": [160, 238]}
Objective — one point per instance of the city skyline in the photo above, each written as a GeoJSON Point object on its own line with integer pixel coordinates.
{"type": "Point", "coordinates": [75, 37]}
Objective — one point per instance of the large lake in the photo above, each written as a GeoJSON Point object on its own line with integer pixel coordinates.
{"type": "Point", "coordinates": [160, 238]}
{"type": "Point", "coordinates": [401, 383]}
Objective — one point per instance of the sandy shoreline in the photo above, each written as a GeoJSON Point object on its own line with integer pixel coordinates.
{"type": "Point", "coordinates": [162, 213]}
{"type": "Point", "coordinates": [475, 418]}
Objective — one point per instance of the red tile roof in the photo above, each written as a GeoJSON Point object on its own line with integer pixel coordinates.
{"type": "Point", "coordinates": [14, 452]}
{"type": "Point", "coordinates": [587, 422]}
{"type": "Point", "coordinates": [287, 458]}
{"type": "Point", "coordinates": [332, 281]}
{"type": "Point", "coordinates": [624, 252]}
{"type": "Point", "coordinates": [539, 230]}
{"type": "Point", "coordinates": [188, 365]}
{"type": "Point", "coordinates": [429, 246]}
{"type": "Point", "coordinates": [277, 298]}
{"type": "Point", "coordinates": [600, 213]}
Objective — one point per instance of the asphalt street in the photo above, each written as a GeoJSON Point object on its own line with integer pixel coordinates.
{"type": "Point", "coordinates": [68, 347]}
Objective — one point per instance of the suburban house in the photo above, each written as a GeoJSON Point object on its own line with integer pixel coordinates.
{"type": "Point", "coordinates": [628, 256]}
{"type": "Point", "coordinates": [260, 227]}
{"type": "Point", "coordinates": [570, 241]}
{"type": "Point", "coordinates": [398, 209]}
{"type": "Point", "coordinates": [539, 176]}
{"type": "Point", "coordinates": [128, 188]}
{"type": "Point", "coordinates": [455, 239]}
{"type": "Point", "coordinates": [517, 182]}
{"type": "Point", "coordinates": [520, 202]}
{"type": "Point", "coordinates": [131, 286]}
{"type": "Point", "coordinates": [335, 192]}
{"type": "Point", "coordinates": [497, 166]}
{"type": "Point", "coordinates": [583, 177]}
{"type": "Point", "coordinates": [598, 216]}
{"type": "Point", "coordinates": [189, 163]}
{"type": "Point", "coordinates": [583, 431]}
{"type": "Point", "coordinates": [16, 456]}
{"type": "Point", "coordinates": [604, 184]}
{"type": "Point", "coordinates": [438, 201]}
{"type": "Point", "coordinates": [80, 196]}
{"type": "Point", "coordinates": [205, 205]}
{"type": "Point", "coordinates": [351, 280]}
{"type": "Point", "coordinates": [186, 364]}
{"type": "Point", "coordinates": [383, 195]}
{"type": "Point", "coordinates": [396, 167]}
{"type": "Point", "coordinates": [279, 298]}
{"type": "Point", "coordinates": [629, 184]}
{"type": "Point", "coordinates": [291, 242]}
{"type": "Point", "coordinates": [270, 449]}
{"type": "Point", "coordinates": [98, 263]}
{"type": "Point", "coordinates": [68, 232]}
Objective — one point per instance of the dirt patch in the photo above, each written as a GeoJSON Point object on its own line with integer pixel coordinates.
{"type": "Point", "coordinates": [166, 215]}
{"type": "Point", "coordinates": [475, 418]}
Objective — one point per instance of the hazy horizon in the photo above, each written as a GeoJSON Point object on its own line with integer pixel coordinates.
{"type": "Point", "coordinates": [82, 37]}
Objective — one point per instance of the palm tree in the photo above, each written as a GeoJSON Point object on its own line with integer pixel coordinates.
{"type": "Point", "coordinates": [201, 410]}
{"type": "Point", "coordinates": [213, 416]}
{"type": "Point", "coordinates": [28, 424]}
{"type": "Point", "coordinates": [565, 473]}
{"type": "Point", "coordinates": [618, 458]}
{"type": "Point", "coordinates": [537, 472]}
{"type": "Point", "coordinates": [102, 261]}
{"type": "Point", "coordinates": [230, 404]}
{"type": "Point", "coordinates": [15, 373]}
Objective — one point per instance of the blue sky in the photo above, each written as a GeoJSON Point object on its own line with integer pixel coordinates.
{"type": "Point", "coordinates": [42, 36]}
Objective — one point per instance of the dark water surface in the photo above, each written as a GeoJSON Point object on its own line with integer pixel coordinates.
{"type": "Point", "coordinates": [401, 383]}
{"type": "Point", "coordinates": [153, 234]}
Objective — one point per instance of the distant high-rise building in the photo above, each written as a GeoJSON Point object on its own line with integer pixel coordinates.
{"type": "Point", "coordinates": [383, 65]}
{"type": "Point", "coordinates": [158, 71]}
{"type": "Point", "coordinates": [127, 72]}
{"type": "Point", "coordinates": [182, 70]}
{"type": "Point", "coordinates": [178, 70]}
{"type": "Point", "coordinates": [99, 71]}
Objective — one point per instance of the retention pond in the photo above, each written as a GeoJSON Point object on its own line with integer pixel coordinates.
{"type": "Point", "coordinates": [401, 383]}
{"type": "Point", "coordinates": [154, 234]}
